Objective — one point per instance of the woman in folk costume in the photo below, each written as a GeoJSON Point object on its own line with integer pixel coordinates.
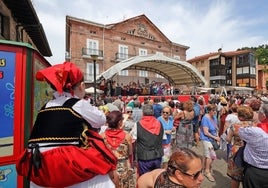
{"type": "Point", "coordinates": [63, 149]}
{"type": "Point", "coordinates": [120, 142]}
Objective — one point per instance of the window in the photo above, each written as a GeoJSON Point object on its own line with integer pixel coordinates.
{"type": "Point", "coordinates": [252, 70]}
{"type": "Point", "coordinates": [142, 52]}
{"type": "Point", "coordinates": [158, 76]}
{"type": "Point", "coordinates": [4, 27]}
{"type": "Point", "coordinates": [203, 73]}
{"type": "Point", "coordinates": [123, 52]}
{"type": "Point", "coordinates": [131, 32]}
{"type": "Point", "coordinates": [243, 59]}
{"type": "Point", "coordinates": [245, 70]}
{"type": "Point", "coordinates": [239, 70]}
{"type": "Point", "coordinates": [242, 70]}
{"type": "Point", "coordinates": [123, 73]}
{"type": "Point", "coordinates": [143, 73]}
{"type": "Point", "coordinates": [1, 25]}
{"type": "Point", "coordinates": [251, 59]}
{"type": "Point", "coordinates": [92, 47]}
{"type": "Point", "coordinates": [90, 71]}
{"type": "Point", "coordinates": [214, 62]}
{"type": "Point", "coordinates": [252, 82]}
{"type": "Point", "coordinates": [242, 82]}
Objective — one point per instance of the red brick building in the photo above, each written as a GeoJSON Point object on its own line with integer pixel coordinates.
{"type": "Point", "coordinates": [113, 43]}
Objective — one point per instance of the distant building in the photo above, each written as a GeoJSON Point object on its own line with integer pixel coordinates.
{"type": "Point", "coordinates": [235, 68]}
{"type": "Point", "coordinates": [19, 22]}
{"type": "Point", "coordinates": [113, 43]}
{"type": "Point", "coordinates": [262, 79]}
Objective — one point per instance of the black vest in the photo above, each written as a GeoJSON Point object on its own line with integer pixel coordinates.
{"type": "Point", "coordinates": [149, 146]}
{"type": "Point", "coordinates": [57, 124]}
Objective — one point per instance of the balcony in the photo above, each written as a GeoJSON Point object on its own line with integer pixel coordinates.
{"type": "Point", "coordinates": [122, 56]}
{"type": "Point", "coordinates": [87, 52]}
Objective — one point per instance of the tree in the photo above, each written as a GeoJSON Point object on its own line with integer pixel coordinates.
{"type": "Point", "coordinates": [261, 54]}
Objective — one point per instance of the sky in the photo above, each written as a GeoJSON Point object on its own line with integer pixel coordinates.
{"type": "Point", "coordinates": [203, 25]}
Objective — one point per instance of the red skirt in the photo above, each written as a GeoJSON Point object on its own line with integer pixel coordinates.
{"type": "Point", "coordinates": [68, 165]}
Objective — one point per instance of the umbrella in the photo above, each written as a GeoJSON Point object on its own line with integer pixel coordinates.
{"type": "Point", "coordinates": [91, 90]}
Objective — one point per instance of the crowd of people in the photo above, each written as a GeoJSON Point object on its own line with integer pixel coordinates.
{"type": "Point", "coordinates": [132, 143]}
{"type": "Point", "coordinates": [113, 88]}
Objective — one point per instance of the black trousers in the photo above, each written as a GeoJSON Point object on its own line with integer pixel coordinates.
{"type": "Point", "coordinates": [255, 177]}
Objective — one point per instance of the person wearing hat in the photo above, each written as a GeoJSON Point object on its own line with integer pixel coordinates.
{"type": "Point", "coordinates": [64, 149]}
{"type": "Point", "coordinates": [256, 151]}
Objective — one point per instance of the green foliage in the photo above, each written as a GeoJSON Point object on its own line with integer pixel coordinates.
{"type": "Point", "coordinates": [261, 53]}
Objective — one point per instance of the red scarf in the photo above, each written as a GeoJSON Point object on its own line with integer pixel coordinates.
{"type": "Point", "coordinates": [115, 137]}
{"type": "Point", "coordinates": [151, 124]}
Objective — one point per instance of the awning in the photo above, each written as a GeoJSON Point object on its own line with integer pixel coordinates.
{"type": "Point", "coordinates": [91, 90]}
{"type": "Point", "coordinates": [175, 71]}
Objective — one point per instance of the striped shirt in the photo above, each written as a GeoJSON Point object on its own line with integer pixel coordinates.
{"type": "Point", "coordinates": [256, 150]}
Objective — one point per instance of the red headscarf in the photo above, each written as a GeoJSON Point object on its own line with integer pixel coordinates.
{"type": "Point", "coordinates": [115, 137]}
{"type": "Point", "coordinates": [61, 76]}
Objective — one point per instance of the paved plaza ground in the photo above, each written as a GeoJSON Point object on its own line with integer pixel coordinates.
{"type": "Point", "coordinates": [219, 170]}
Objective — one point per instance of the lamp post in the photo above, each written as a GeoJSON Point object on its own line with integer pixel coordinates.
{"type": "Point", "coordinates": [94, 57]}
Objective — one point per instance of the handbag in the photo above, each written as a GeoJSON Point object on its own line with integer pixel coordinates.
{"type": "Point", "coordinates": [239, 157]}
{"type": "Point", "coordinates": [215, 144]}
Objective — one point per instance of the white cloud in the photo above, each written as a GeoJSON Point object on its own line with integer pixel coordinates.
{"type": "Point", "coordinates": [202, 25]}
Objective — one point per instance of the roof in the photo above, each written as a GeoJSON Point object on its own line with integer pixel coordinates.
{"type": "Point", "coordinates": [68, 18]}
{"type": "Point", "coordinates": [143, 16]}
{"type": "Point", "coordinates": [175, 71]}
{"type": "Point", "coordinates": [24, 14]}
{"type": "Point", "coordinates": [226, 54]}
{"type": "Point", "coordinates": [139, 18]}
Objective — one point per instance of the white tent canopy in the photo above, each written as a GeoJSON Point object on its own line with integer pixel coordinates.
{"type": "Point", "coordinates": [91, 90]}
{"type": "Point", "coordinates": [235, 90]}
{"type": "Point", "coordinates": [175, 71]}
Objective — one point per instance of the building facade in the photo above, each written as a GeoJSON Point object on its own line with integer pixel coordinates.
{"type": "Point", "coordinates": [19, 22]}
{"type": "Point", "coordinates": [113, 43]}
{"type": "Point", "coordinates": [262, 79]}
{"type": "Point", "coordinates": [234, 68]}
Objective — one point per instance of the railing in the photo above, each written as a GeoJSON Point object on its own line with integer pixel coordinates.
{"type": "Point", "coordinates": [122, 56]}
{"type": "Point", "coordinates": [88, 52]}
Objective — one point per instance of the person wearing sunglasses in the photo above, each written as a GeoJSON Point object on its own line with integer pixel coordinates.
{"type": "Point", "coordinates": [184, 171]}
{"type": "Point", "coordinates": [208, 133]}
{"type": "Point", "coordinates": [166, 120]}
{"type": "Point", "coordinates": [129, 123]}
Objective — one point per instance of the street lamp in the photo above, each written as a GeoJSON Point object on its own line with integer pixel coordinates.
{"type": "Point", "coordinates": [94, 57]}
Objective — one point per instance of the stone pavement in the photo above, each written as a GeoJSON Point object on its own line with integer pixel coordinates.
{"type": "Point", "coordinates": [219, 167]}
